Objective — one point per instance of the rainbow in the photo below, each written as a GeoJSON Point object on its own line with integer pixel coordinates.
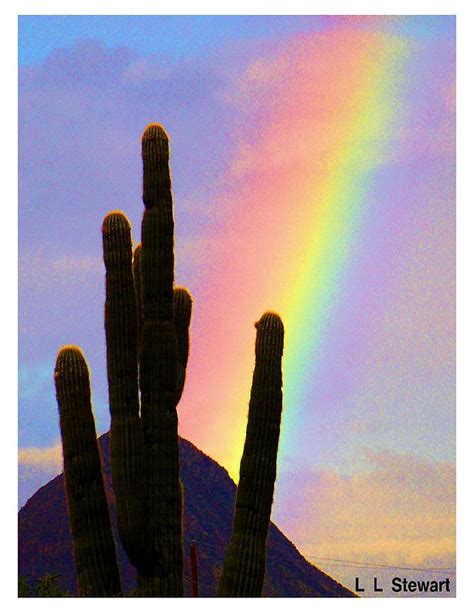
{"type": "Point", "coordinates": [295, 208]}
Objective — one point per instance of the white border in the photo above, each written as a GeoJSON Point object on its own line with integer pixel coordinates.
{"type": "Point", "coordinates": [465, 170]}
{"type": "Point", "coordinates": [245, 7]}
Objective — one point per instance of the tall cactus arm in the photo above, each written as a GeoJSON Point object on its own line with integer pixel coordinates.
{"type": "Point", "coordinates": [182, 317]}
{"type": "Point", "coordinates": [126, 436]}
{"type": "Point", "coordinates": [157, 253]}
{"type": "Point", "coordinates": [94, 547]}
{"type": "Point", "coordinates": [159, 359]}
{"type": "Point", "coordinates": [244, 565]}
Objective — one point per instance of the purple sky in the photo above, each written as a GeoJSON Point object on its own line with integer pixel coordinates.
{"type": "Point", "coordinates": [87, 88]}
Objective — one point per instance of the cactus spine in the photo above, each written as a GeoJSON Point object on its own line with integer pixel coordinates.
{"type": "Point", "coordinates": [94, 547]}
{"type": "Point", "coordinates": [244, 565]}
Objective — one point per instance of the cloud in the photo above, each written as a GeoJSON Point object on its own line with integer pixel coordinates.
{"type": "Point", "coordinates": [307, 111]}
{"type": "Point", "coordinates": [401, 511]}
{"type": "Point", "coordinates": [37, 269]}
{"type": "Point", "coordinates": [50, 286]}
{"type": "Point", "coordinates": [81, 113]}
{"type": "Point", "coordinates": [37, 466]}
{"type": "Point", "coordinates": [41, 458]}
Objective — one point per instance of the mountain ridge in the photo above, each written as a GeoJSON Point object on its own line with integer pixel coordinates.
{"type": "Point", "coordinates": [45, 543]}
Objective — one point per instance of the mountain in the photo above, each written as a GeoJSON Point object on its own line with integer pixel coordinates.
{"type": "Point", "coordinates": [45, 544]}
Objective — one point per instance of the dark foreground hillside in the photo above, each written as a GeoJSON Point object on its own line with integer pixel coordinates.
{"type": "Point", "coordinates": [45, 542]}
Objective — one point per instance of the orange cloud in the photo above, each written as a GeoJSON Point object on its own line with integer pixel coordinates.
{"type": "Point", "coordinates": [48, 459]}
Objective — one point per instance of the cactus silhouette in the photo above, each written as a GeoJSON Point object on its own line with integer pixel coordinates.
{"type": "Point", "coordinates": [147, 336]}
{"type": "Point", "coordinates": [94, 547]}
{"type": "Point", "coordinates": [158, 358]}
{"type": "Point", "coordinates": [244, 565]}
{"type": "Point", "coordinates": [126, 435]}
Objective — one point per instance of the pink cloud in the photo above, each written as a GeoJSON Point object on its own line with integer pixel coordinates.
{"type": "Point", "coordinates": [401, 511]}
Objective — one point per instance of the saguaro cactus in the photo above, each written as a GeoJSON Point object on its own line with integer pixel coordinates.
{"type": "Point", "coordinates": [94, 547]}
{"type": "Point", "coordinates": [147, 332]}
{"type": "Point", "coordinates": [244, 565]}
{"type": "Point", "coordinates": [126, 436]}
{"type": "Point", "coordinates": [159, 359]}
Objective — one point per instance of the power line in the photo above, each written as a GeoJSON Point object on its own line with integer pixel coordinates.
{"type": "Point", "coordinates": [356, 564]}
{"type": "Point", "coordinates": [353, 563]}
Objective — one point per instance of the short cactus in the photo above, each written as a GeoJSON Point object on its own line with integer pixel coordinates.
{"type": "Point", "coordinates": [94, 547]}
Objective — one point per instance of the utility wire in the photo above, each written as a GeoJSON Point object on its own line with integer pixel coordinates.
{"type": "Point", "coordinates": [355, 564]}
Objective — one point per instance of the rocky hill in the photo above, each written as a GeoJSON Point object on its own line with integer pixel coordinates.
{"type": "Point", "coordinates": [45, 544]}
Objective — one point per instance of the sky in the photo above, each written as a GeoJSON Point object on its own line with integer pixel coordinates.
{"type": "Point", "coordinates": [313, 169]}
